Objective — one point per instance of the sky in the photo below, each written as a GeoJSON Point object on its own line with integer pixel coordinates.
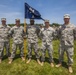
{"type": "Point", "coordinates": [53, 10]}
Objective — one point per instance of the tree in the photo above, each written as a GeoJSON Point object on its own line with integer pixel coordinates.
{"type": "Point", "coordinates": [55, 24]}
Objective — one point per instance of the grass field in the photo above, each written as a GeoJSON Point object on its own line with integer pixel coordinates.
{"type": "Point", "coordinates": [18, 67]}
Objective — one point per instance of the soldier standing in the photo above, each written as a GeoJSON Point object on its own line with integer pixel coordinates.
{"type": "Point", "coordinates": [41, 27]}
{"type": "Point", "coordinates": [17, 33]}
{"type": "Point", "coordinates": [4, 39]}
{"type": "Point", "coordinates": [47, 35]}
{"type": "Point", "coordinates": [66, 33]}
{"type": "Point", "coordinates": [32, 32]}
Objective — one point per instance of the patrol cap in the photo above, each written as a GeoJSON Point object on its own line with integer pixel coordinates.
{"type": "Point", "coordinates": [66, 16]}
{"type": "Point", "coordinates": [17, 19]}
{"type": "Point", "coordinates": [31, 19]}
{"type": "Point", "coordinates": [3, 19]}
{"type": "Point", "coordinates": [46, 20]}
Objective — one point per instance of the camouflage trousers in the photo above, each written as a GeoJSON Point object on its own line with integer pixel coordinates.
{"type": "Point", "coordinates": [36, 50]}
{"type": "Point", "coordinates": [50, 52]}
{"type": "Point", "coordinates": [69, 51]}
{"type": "Point", "coordinates": [14, 48]}
{"type": "Point", "coordinates": [5, 45]}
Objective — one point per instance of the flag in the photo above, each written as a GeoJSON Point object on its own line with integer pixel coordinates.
{"type": "Point", "coordinates": [31, 13]}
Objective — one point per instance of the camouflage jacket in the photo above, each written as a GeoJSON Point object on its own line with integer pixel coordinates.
{"type": "Point", "coordinates": [18, 34]}
{"type": "Point", "coordinates": [47, 35]}
{"type": "Point", "coordinates": [66, 34]}
{"type": "Point", "coordinates": [4, 33]}
{"type": "Point", "coordinates": [32, 33]}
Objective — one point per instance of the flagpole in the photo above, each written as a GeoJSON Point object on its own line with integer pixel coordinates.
{"type": "Point", "coordinates": [25, 39]}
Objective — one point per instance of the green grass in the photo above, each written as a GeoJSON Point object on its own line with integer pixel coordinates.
{"type": "Point", "coordinates": [18, 67]}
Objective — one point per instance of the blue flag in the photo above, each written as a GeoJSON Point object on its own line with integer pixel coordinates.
{"type": "Point", "coordinates": [31, 13]}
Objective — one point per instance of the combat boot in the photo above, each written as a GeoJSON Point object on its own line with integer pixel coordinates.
{"type": "Point", "coordinates": [70, 69]}
{"type": "Point", "coordinates": [23, 59]}
{"type": "Point", "coordinates": [10, 61]}
{"type": "Point", "coordinates": [28, 61]}
{"type": "Point", "coordinates": [38, 61]}
{"type": "Point", "coordinates": [58, 65]}
{"type": "Point", "coordinates": [42, 63]}
{"type": "Point", "coordinates": [52, 65]}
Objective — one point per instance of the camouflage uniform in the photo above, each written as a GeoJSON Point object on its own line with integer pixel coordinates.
{"type": "Point", "coordinates": [66, 33]}
{"type": "Point", "coordinates": [17, 34]}
{"type": "Point", "coordinates": [4, 40]}
{"type": "Point", "coordinates": [32, 33]}
{"type": "Point", "coordinates": [47, 35]}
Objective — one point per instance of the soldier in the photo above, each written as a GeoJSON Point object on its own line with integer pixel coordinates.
{"type": "Point", "coordinates": [32, 32]}
{"type": "Point", "coordinates": [17, 33]}
{"type": "Point", "coordinates": [41, 27]}
{"type": "Point", "coordinates": [4, 39]}
{"type": "Point", "coordinates": [66, 33]}
{"type": "Point", "coordinates": [47, 35]}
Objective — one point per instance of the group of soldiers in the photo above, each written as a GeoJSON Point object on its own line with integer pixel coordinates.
{"type": "Point", "coordinates": [17, 34]}
{"type": "Point", "coordinates": [65, 33]}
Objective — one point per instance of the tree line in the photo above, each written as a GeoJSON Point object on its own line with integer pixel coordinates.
{"type": "Point", "coordinates": [22, 24]}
